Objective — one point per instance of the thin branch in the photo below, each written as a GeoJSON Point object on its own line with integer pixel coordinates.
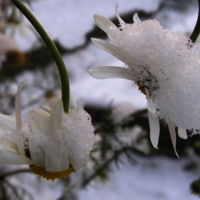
{"type": "Point", "coordinates": [102, 167]}
{"type": "Point", "coordinates": [108, 162]}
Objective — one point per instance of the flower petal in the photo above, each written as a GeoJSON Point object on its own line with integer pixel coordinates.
{"type": "Point", "coordinates": [104, 23]}
{"type": "Point", "coordinates": [13, 158]}
{"type": "Point", "coordinates": [7, 122]}
{"type": "Point", "coordinates": [182, 133]}
{"type": "Point", "coordinates": [154, 128]}
{"type": "Point", "coordinates": [79, 105]}
{"type": "Point", "coordinates": [110, 48]}
{"type": "Point", "coordinates": [39, 120]}
{"type": "Point", "coordinates": [173, 136]}
{"type": "Point", "coordinates": [111, 72]}
{"type": "Point", "coordinates": [121, 21]}
{"type": "Point", "coordinates": [153, 121]}
{"type": "Point", "coordinates": [37, 155]}
{"type": "Point", "coordinates": [54, 148]}
{"type": "Point", "coordinates": [8, 145]}
{"type": "Point", "coordinates": [107, 26]}
{"type": "Point", "coordinates": [56, 115]}
{"type": "Point", "coordinates": [7, 44]}
{"type": "Point", "coordinates": [64, 163]}
{"type": "Point", "coordinates": [136, 19]}
{"type": "Point", "coordinates": [18, 108]}
{"type": "Point", "coordinates": [46, 107]}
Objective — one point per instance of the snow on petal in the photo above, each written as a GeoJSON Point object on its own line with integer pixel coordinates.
{"type": "Point", "coordinates": [156, 56]}
{"type": "Point", "coordinates": [111, 72]}
{"type": "Point", "coordinates": [79, 136]}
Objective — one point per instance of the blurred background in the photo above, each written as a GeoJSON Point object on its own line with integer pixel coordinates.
{"type": "Point", "coordinates": [123, 163]}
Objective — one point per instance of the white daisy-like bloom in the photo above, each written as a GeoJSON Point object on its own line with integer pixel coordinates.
{"type": "Point", "coordinates": [53, 143]}
{"type": "Point", "coordinates": [14, 56]}
{"type": "Point", "coordinates": [163, 63]}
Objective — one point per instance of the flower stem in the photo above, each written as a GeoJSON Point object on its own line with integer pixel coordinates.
{"type": "Point", "coordinates": [57, 57]}
{"type": "Point", "coordinates": [196, 31]}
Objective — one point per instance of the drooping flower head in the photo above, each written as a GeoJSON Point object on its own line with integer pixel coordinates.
{"type": "Point", "coordinates": [53, 143]}
{"type": "Point", "coordinates": [165, 65]}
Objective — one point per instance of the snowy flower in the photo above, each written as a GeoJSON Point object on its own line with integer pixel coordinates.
{"type": "Point", "coordinates": [163, 63]}
{"type": "Point", "coordinates": [53, 143]}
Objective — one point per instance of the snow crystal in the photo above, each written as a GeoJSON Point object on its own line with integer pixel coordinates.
{"type": "Point", "coordinates": [78, 137]}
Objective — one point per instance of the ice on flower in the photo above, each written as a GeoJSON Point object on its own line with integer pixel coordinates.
{"type": "Point", "coordinates": [53, 143]}
{"type": "Point", "coordinates": [164, 63]}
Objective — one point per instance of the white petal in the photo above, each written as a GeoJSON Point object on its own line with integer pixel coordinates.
{"type": "Point", "coordinates": [173, 136]}
{"type": "Point", "coordinates": [37, 155]}
{"type": "Point", "coordinates": [12, 158]}
{"type": "Point", "coordinates": [112, 72]}
{"type": "Point", "coordinates": [7, 44]}
{"type": "Point", "coordinates": [153, 121]}
{"type": "Point", "coordinates": [136, 19]}
{"type": "Point", "coordinates": [39, 120]}
{"type": "Point", "coordinates": [79, 105]}
{"type": "Point", "coordinates": [154, 128]}
{"type": "Point", "coordinates": [121, 21]}
{"type": "Point", "coordinates": [46, 107]}
{"type": "Point", "coordinates": [53, 150]}
{"type": "Point", "coordinates": [18, 108]}
{"type": "Point", "coordinates": [107, 26]}
{"type": "Point", "coordinates": [110, 48]}
{"type": "Point", "coordinates": [104, 23]}
{"type": "Point", "coordinates": [7, 122]}
{"type": "Point", "coordinates": [77, 162]}
{"type": "Point", "coordinates": [65, 163]}
{"type": "Point", "coordinates": [182, 133]}
{"type": "Point", "coordinates": [56, 116]}
{"type": "Point", "coordinates": [7, 145]}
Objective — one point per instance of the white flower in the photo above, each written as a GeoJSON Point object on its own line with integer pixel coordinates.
{"type": "Point", "coordinates": [53, 144]}
{"type": "Point", "coordinates": [163, 63]}
{"type": "Point", "coordinates": [14, 56]}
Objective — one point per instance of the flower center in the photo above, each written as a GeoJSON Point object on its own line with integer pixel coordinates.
{"type": "Point", "coordinates": [14, 59]}
{"type": "Point", "coordinates": [41, 172]}
{"type": "Point", "coordinates": [141, 88]}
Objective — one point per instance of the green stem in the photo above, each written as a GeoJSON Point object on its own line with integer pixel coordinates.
{"type": "Point", "coordinates": [57, 57]}
{"type": "Point", "coordinates": [196, 31]}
